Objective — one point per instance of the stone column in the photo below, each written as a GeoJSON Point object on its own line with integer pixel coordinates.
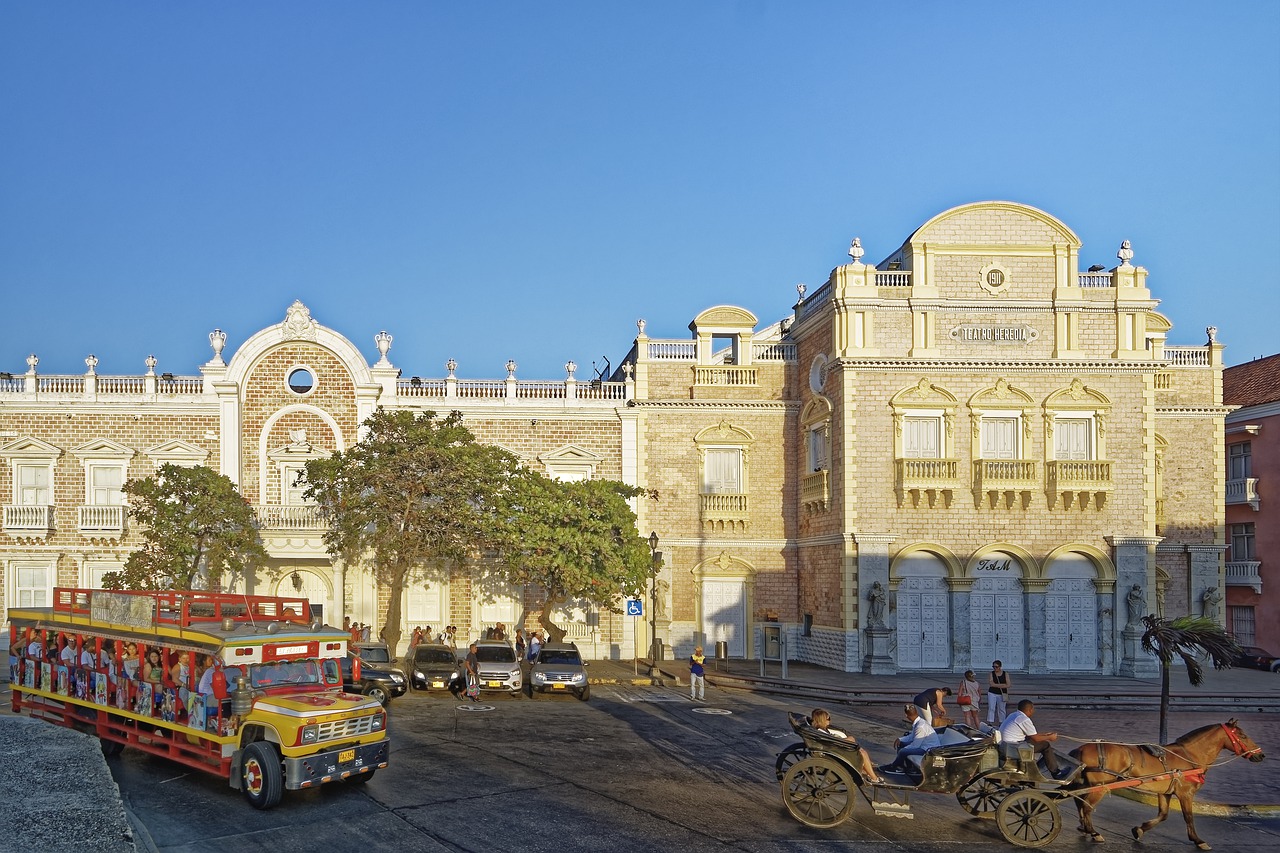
{"type": "Point", "coordinates": [1106, 591]}
{"type": "Point", "coordinates": [872, 565]}
{"type": "Point", "coordinates": [1135, 566]}
{"type": "Point", "coordinates": [1034, 592]}
{"type": "Point", "coordinates": [1206, 573]}
{"type": "Point", "coordinates": [961, 648]}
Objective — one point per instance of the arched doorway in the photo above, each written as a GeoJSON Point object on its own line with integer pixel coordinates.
{"type": "Point", "coordinates": [1071, 615]}
{"type": "Point", "coordinates": [312, 587]}
{"type": "Point", "coordinates": [997, 623]}
{"type": "Point", "coordinates": [923, 612]}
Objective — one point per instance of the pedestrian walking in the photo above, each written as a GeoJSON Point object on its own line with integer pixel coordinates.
{"type": "Point", "coordinates": [520, 644]}
{"type": "Point", "coordinates": [968, 696]}
{"type": "Point", "coordinates": [472, 666]}
{"type": "Point", "coordinates": [535, 645]}
{"type": "Point", "coordinates": [998, 686]}
{"type": "Point", "coordinates": [697, 676]}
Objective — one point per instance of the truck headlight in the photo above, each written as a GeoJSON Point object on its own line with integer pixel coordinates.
{"type": "Point", "coordinates": [310, 734]}
{"type": "Point", "coordinates": [379, 722]}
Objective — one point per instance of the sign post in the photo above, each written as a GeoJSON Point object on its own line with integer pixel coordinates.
{"type": "Point", "coordinates": [635, 607]}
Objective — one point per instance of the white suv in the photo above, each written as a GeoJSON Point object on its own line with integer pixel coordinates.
{"type": "Point", "coordinates": [559, 668]}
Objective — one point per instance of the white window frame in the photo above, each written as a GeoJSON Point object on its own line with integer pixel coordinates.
{"type": "Point", "coordinates": [819, 447]}
{"type": "Point", "coordinates": [22, 465]}
{"type": "Point", "coordinates": [91, 467]}
{"type": "Point", "coordinates": [710, 488]}
{"type": "Point", "coordinates": [1243, 542]}
{"type": "Point", "coordinates": [990, 420]}
{"type": "Point", "coordinates": [291, 495]}
{"type": "Point", "coordinates": [17, 591]}
{"type": "Point", "coordinates": [1064, 423]}
{"type": "Point", "coordinates": [1240, 460]}
{"type": "Point", "coordinates": [913, 417]}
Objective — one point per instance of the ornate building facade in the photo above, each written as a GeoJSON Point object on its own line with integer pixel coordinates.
{"type": "Point", "coordinates": [971, 450]}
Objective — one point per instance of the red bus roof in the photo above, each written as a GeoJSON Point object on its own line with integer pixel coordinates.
{"type": "Point", "coordinates": [183, 608]}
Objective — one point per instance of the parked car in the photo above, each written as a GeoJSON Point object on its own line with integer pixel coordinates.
{"type": "Point", "coordinates": [499, 669]}
{"type": "Point", "coordinates": [1256, 657]}
{"type": "Point", "coordinates": [380, 678]}
{"type": "Point", "coordinates": [559, 668]}
{"type": "Point", "coordinates": [434, 665]}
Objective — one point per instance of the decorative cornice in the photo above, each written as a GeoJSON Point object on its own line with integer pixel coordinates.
{"type": "Point", "coordinates": [1192, 411]}
{"type": "Point", "coordinates": [1011, 365]}
{"type": "Point", "coordinates": [1132, 541]}
{"type": "Point", "coordinates": [1217, 549]}
{"type": "Point", "coordinates": [793, 405]}
{"type": "Point", "coordinates": [885, 539]}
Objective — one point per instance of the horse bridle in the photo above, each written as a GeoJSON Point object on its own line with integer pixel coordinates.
{"type": "Point", "coordinates": [1236, 746]}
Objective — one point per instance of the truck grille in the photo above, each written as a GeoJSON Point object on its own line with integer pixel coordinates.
{"type": "Point", "coordinates": [339, 729]}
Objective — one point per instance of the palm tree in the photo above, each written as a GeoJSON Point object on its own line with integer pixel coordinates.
{"type": "Point", "coordinates": [1191, 638]}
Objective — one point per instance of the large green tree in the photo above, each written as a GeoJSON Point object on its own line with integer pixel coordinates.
{"type": "Point", "coordinates": [197, 532]}
{"type": "Point", "coordinates": [576, 540]}
{"type": "Point", "coordinates": [415, 494]}
{"type": "Point", "coordinates": [1190, 638]}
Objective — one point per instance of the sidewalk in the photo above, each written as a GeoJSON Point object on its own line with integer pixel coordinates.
{"type": "Point", "coordinates": [1079, 707]}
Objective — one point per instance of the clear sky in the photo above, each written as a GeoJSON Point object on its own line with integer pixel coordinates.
{"type": "Point", "coordinates": [524, 180]}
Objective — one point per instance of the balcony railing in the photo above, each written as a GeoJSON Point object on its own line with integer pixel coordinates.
{"type": "Point", "coordinates": [1080, 475]}
{"type": "Point", "coordinates": [725, 511]}
{"type": "Point", "coordinates": [815, 491]}
{"type": "Point", "coordinates": [776, 351]}
{"type": "Point", "coordinates": [101, 520]}
{"type": "Point", "coordinates": [287, 517]}
{"type": "Point", "coordinates": [1187, 356]}
{"type": "Point", "coordinates": [927, 473]}
{"type": "Point", "coordinates": [1243, 491]}
{"type": "Point", "coordinates": [28, 521]}
{"type": "Point", "coordinates": [725, 375]}
{"type": "Point", "coordinates": [893, 278]}
{"type": "Point", "coordinates": [1094, 279]}
{"type": "Point", "coordinates": [1004, 475]}
{"type": "Point", "coordinates": [1244, 573]}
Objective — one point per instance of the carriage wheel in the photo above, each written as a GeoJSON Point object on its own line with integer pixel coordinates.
{"type": "Point", "coordinates": [819, 792]}
{"type": "Point", "coordinates": [983, 793]}
{"type": "Point", "coordinates": [1028, 818]}
{"type": "Point", "coordinates": [789, 756]}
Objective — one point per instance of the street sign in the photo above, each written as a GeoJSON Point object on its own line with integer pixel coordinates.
{"type": "Point", "coordinates": [635, 607]}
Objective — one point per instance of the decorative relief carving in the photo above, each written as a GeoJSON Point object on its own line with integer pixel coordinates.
{"type": "Point", "coordinates": [298, 324]}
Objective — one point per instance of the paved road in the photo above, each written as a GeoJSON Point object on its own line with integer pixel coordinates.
{"type": "Point", "coordinates": [637, 768]}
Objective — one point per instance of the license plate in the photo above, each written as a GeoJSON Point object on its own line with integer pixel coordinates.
{"type": "Point", "coordinates": [495, 683]}
{"type": "Point", "coordinates": [437, 684]}
{"type": "Point", "coordinates": [346, 755]}
{"type": "Point", "coordinates": [557, 687]}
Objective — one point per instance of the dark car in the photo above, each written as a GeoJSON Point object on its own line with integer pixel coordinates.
{"type": "Point", "coordinates": [1256, 657]}
{"type": "Point", "coordinates": [379, 677]}
{"type": "Point", "coordinates": [433, 667]}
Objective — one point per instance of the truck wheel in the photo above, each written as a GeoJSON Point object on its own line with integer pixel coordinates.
{"type": "Point", "coordinates": [262, 776]}
{"type": "Point", "coordinates": [111, 748]}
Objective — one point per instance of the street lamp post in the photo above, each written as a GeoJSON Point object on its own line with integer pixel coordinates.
{"type": "Point", "coordinates": [655, 560]}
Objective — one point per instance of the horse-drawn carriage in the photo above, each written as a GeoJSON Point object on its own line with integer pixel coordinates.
{"type": "Point", "coordinates": [821, 778]}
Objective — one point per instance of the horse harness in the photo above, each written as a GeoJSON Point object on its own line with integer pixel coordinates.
{"type": "Point", "coordinates": [1194, 774]}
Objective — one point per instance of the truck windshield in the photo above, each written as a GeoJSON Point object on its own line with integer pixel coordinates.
{"type": "Point", "coordinates": [262, 675]}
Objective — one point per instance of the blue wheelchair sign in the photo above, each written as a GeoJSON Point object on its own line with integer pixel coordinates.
{"type": "Point", "coordinates": [635, 607]}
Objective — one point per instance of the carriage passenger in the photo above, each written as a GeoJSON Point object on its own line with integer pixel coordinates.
{"type": "Point", "coordinates": [820, 719]}
{"type": "Point", "coordinates": [1018, 728]}
{"type": "Point", "coordinates": [922, 738]}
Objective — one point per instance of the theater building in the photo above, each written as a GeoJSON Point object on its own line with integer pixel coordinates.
{"type": "Point", "coordinates": [970, 450]}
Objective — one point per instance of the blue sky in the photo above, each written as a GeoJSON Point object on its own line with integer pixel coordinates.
{"type": "Point", "coordinates": [524, 180]}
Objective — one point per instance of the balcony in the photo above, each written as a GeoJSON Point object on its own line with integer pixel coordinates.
{"type": "Point", "coordinates": [930, 479]}
{"type": "Point", "coordinates": [285, 517]}
{"type": "Point", "coordinates": [28, 522]}
{"type": "Point", "coordinates": [102, 521]}
{"type": "Point", "coordinates": [815, 491]}
{"type": "Point", "coordinates": [1243, 491]}
{"type": "Point", "coordinates": [1245, 573]}
{"type": "Point", "coordinates": [1081, 480]}
{"type": "Point", "coordinates": [732, 375]}
{"type": "Point", "coordinates": [1012, 480]}
{"type": "Point", "coordinates": [725, 512]}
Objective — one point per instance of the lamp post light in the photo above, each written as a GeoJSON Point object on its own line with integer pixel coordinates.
{"type": "Point", "coordinates": [655, 561]}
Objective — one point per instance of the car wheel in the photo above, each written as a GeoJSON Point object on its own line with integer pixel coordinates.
{"type": "Point", "coordinates": [262, 776]}
{"type": "Point", "coordinates": [111, 747]}
{"type": "Point", "coordinates": [374, 691]}
{"type": "Point", "coordinates": [584, 694]}
{"type": "Point", "coordinates": [533, 692]}
{"type": "Point", "coordinates": [1275, 665]}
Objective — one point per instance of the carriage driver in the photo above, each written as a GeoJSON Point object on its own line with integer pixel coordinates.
{"type": "Point", "coordinates": [1017, 728]}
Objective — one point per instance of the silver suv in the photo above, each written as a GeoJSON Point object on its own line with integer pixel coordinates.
{"type": "Point", "coordinates": [559, 668]}
{"type": "Point", "coordinates": [499, 668]}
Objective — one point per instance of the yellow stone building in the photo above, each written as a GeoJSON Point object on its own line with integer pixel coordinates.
{"type": "Point", "coordinates": [971, 450]}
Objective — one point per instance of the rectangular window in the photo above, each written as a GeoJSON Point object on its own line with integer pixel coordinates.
{"type": "Point", "coordinates": [1242, 624]}
{"type": "Point", "coordinates": [105, 482]}
{"type": "Point", "coordinates": [723, 472]}
{"type": "Point", "coordinates": [1242, 542]}
{"type": "Point", "coordinates": [292, 485]}
{"type": "Point", "coordinates": [922, 438]}
{"type": "Point", "coordinates": [818, 449]}
{"type": "Point", "coordinates": [1240, 461]}
{"type": "Point", "coordinates": [1073, 438]}
{"type": "Point", "coordinates": [1000, 438]}
{"type": "Point", "coordinates": [32, 586]}
{"type": "Point", "coordinates": [33, 485]}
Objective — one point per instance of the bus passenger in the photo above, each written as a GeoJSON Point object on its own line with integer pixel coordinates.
{"type": "Point", "coordinates": [88, 659]}
{"type": "Point", "coordinates": [35, 649]}
{"type": "Point", "coordinates": [129, 662]}
{"type": "Point", "coordinates": [68, 654]}
{"type": "Point", "coordinates": [153, 669]}
{"type": "Point", "coordinates": [205, 688]}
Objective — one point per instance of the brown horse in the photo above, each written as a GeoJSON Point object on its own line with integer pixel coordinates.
{"type": "Point", "coordinates": [1181, 766]}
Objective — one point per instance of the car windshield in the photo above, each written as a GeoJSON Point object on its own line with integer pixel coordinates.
{"type": "Point", "coordinates": [559, 656]}
{"type": "Point", "coordinates": [284, 672]}
{"type": "Point", "coordinates": [374, 655]}
{"type": "Point", "coordinates": [495, 654]}
{"type": "Point", "coordinates": [434, 656]}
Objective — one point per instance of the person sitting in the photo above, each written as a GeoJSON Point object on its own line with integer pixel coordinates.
{"type": "Point", "coordinates": [1017, 728]}
{"type": "Point", "coordinates": [820, 719]}
{"type": "Point", "coordinates": [922, 738]}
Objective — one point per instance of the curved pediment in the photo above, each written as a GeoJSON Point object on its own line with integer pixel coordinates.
{"type": "Point", "coordinates": [1157, 322]}
{"type": "Point", "coordinates": [1077, 396]}
{"type": "Point", "coordinates": [1010, 221]}
{"type": "Point", "coordinates": [817, 409]}
{"type": "Point", "coordinates": [724, 433]}
{"type": "Point", "coordinates": [725, 317]}
{"type": "Point", "coordinates": [1002, 395]}
{"type": "Point", "coordinates": [923, 394]}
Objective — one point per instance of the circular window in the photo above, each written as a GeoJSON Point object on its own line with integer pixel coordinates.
{"type": "Point", "coordinates": [301, 381]}
{"type": "Point", "coordinates": [818, 374]}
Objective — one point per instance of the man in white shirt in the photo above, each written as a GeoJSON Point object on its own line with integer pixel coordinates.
{"type": "Point", "coordinates": [920, 740]}
{"type": "Point", "coordinates": [1017, 728]}
{"type": "Point", "coordinates": [68, 654]}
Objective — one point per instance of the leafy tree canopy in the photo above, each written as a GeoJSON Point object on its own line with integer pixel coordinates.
{"type": "Point", "coordinates": [197, 532]}
{"type": "Point", "coordinates": [577, 540]}
{"type": "Point", "coordinates": [416, 494]}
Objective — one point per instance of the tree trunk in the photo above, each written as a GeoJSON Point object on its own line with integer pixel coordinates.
{"type": "Point", "coordinates": [555, 634]}
{"type": "Point", "coordinates": [1164, 702]}
{"type": "Point", "coordinates": [391, 629]}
